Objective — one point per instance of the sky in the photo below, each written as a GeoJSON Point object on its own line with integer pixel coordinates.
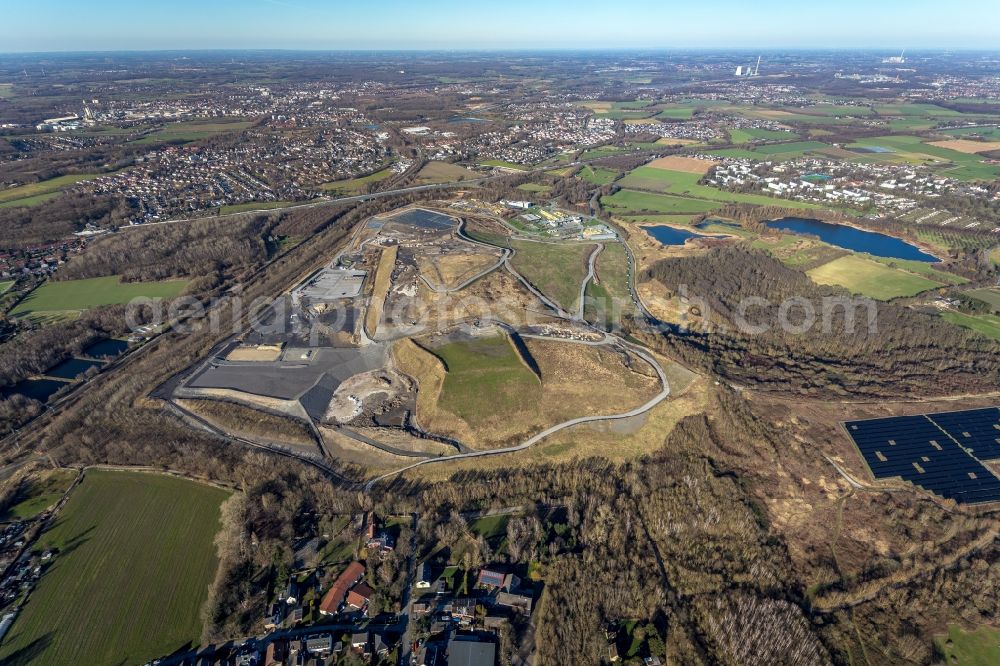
{"type": "Point", "coordinates": [107, 25]}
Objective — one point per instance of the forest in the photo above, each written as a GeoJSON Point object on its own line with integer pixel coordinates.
{"type": "Point", "coordinates": [905, 352]}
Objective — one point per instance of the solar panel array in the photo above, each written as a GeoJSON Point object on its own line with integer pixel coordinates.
{"type": "Point", "coordinates": [940, 453]}
{"type": "Point", "coordinates": [976, 429]}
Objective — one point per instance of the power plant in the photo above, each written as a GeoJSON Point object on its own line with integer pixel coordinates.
{"type": "Point", "coordinates": [895, 60]}
{"type": "Point", "coordinates": [750, 70]}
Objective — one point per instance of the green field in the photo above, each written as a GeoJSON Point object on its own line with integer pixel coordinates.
{"type": "Point", "coordinates": [39, 493]}
{"type": "Point", "coordinates": [672, 220]}
{"type": "Point", "coordinates": [134, 556]}
{"type": "Point", "coordinates": [971, 648]}
{"type": "Point", "coordinates": [557, 270]}
{"type": "Point", "coordinates": [632, 201]}
{"type": "Point", "coordinates": [503, 165]}
{"type": "Point", "coordinates": [30, 201]}
{"type": "Point", "coordinates": [254, 205]}
{"type": "Point", "coordinates": [861, 275]}
{"type": "Point", "coordinates": [597, 175]}
{"type": "Point", "coordinates": [988, 325]}
{"type": "Point", "coordinates": [355, 185]}
{"type": "Point", "coordinates": [34, 190]}
{"type": "Point", "coordinates": [686, 184]}
{"type": "Point", "coordinates": [676, 113]}
{"type": "Point", "coordinates": [913, 149]}
{"type": "Point", "coordinates": [5, 285]}
{"type": "Point", "coordinates": [987, 133]}
{"type": "Point", "coordinates": [929, 110]}
{"type": "Point", "coordinates": [6, 90]}
{"type": "Point", "coordinates": [535, 188]}
{"type": "Point", "coordinates": [748, 135]}
{"type": "Point", "coordinates": [609, 293]}
{"type": "Point", "coordinates": [923, 268]}
{"type": "Point", "coordinates": [485, 376]}
{"type": "Point", "coordinates": [490, 527]}
{"type": "Point", "coordinates": [194, 130]}
{"type": "Point", "coordinates": [915, 124]}
{"type": "Point", "coordinates": [602, 151]}
{"type": "Point", "coordinates": [74, 296]}
{"type": "Point", "coordinates": [990, 296]}
{"type": "Point", "coordinates": [774, 151]}
{"type": "Point", "coordinates": [796, 148]}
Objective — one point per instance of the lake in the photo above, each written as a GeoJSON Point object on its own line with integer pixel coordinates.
{"type": "Point", "coordinates": [849, 238]}
{"type": "Point", "coordinates": [671, 235]}
{"type": "Point", "coordinates": [36, 389]}
{"type": "Point", "coordinates": [106, 348]}
{"type": "Point", "coordinates": [73, 367]}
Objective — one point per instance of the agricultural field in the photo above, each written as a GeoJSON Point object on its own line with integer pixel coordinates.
{"type": "Point", "coordinates": [535, 188]}
{"type": "Point", "coordinates": [911, 124]}
{"type": "Point", "coordinates": [751, 135]}
{"type": "Point", "coordinates": [29, 195]}
{"type": "Point", "coordinates": [683, 164]}
{"type": "Point", "coordinates": [912, 149]}
{"type": "Point", "coordinates": [354, 186]}
{"type": "Point", "coordinates": [666, 181]}
{"type": "Point", "coordinates": [39, 493]}
{"type": "Point", "coordinates": [775, 151]}
{"type": "Point", "coordinates": [980, 647]}
{"type": "Point", "coordinates": [988, 325]}
{"type": "Point", "coordinates": [5, 285]}
{"type": "Point", "coordinates": [557, 270]}
{"type": "Point", "coordinates": [926, 110]}
{"type": "Point", "coordinates": [967, 146]}
{"type": "Point", "coordinates": [624, 201]}
{"type": "Point", "coordinates": [190, 131]}
{"type": "Point", "coordinates": [69, 298]}
{"type": "Point", "coordinates": [676, 113]}
{"type": "Point", "coordinates": [6, 90]}
{"type": "Point", "coordinates": [861, 275]}
{"type": "Point", "coordinates": [985, 133]}
{"type": "Point", "coordinates": [443, 172]}
{"type": "Point", "coordinates": [105, 598]}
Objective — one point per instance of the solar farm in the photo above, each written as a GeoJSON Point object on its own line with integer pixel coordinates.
{"type": "Point", "coordinates": [940, 453]}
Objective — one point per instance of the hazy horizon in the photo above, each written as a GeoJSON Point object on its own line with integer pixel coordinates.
{"type": "Point", "coordinates": [449, 25]}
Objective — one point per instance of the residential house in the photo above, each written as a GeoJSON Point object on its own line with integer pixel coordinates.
{"type": "Point", "coordinates": [361, 643]}
{"type": "Point", "coordinates": [319, 644]}
{"type": "Point", "coordinates": [471, 653]}
{"type": "Point", "coordinates": [495, 578]}
{"type": "Point", "coordinates": [359, 596]}
{"type": "Point", "coordinates": [335, 596]}
{"type": "Point", "coordinates": [423, 576]}
{"type": "Point", "coordinates": [518, 602]}
{"type": "Point", "coordinates": [276, 653]}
